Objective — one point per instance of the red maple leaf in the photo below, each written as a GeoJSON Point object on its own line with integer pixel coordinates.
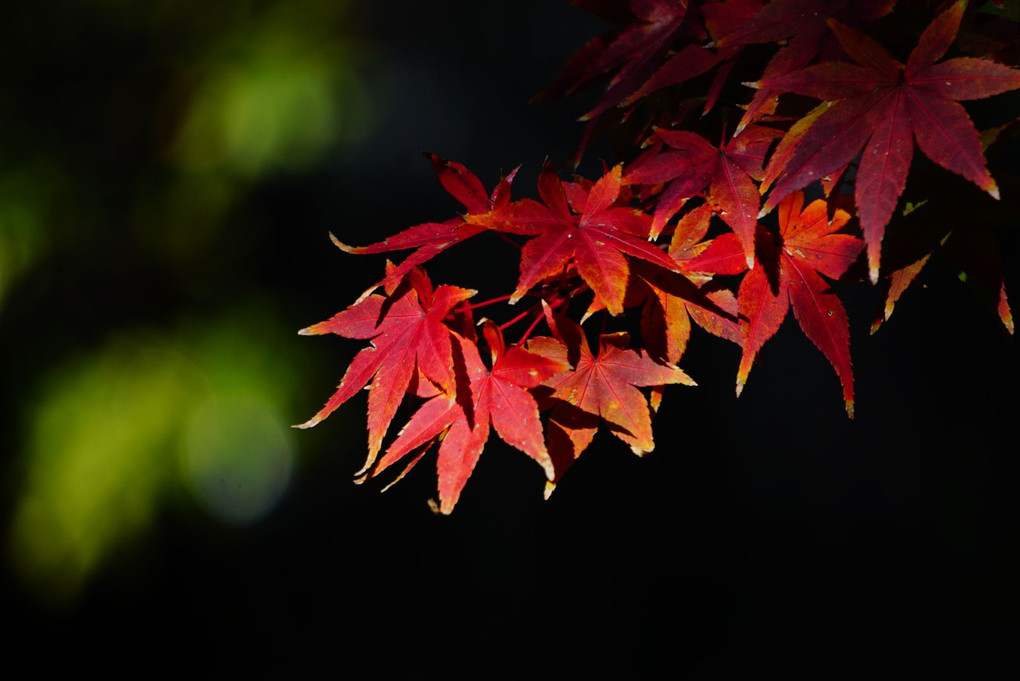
{"type": "Point", "coordinates": [407, 332]}
{"type": "Point", "coordinates": [781, 19]}
{"type": "Point", "coordinates": [672, 300]}
{"type": "Point", "coordinates": [601, 387]}
{"type": "Point", "coordinates": [894, 286]}
{"type": "Point", "coordinates": [691, 61]}
{"type": "Point", "coordinates": [432, 238]}
{"type": "Point", "coordinates": [882, 106]}
{"type": "Point", "coordinates": [630, 54]}
{"type": "Point", "coordinates": [691, 164]}
{"type": "Point", "coordinates": [593, 237]}
{"type": "Point", "coordinates": [787, 146]}
{"type": "Point", "coordinates": [804, 22]}
{"type": "Point", "coordinates": [462, 416]}
{"type": "Point", "coordinates": [789, 276]}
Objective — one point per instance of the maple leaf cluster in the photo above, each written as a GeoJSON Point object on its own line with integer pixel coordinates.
{"type": "Point", "coordinates": [798, 193]}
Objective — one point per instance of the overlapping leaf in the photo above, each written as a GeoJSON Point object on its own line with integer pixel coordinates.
{"type": "Point", "coordinates": [860, 137]}
{"type": "Point", "coordinates": [790, 276]}
{"type": "Point", "coordinates": [463, 416]}
{"type": "Point", "coordinates": [673, 300]}
{"type": "Point", "coordinates": [629, 55]}
{"type": "Point", "coordinates": [432, 238]}
{"type": "Point", "coordinates": [600, 388]}
{"type": "Point", "coordinates": [881, 106]}
{"type": "Point", "coordinates": [592, 238]}
{"type": "Point", "coordinates": [804, 23]}
{"type": "Point", "coordinates": [407, 333]}
{"type": "Point", "coordinates": [691, 164]}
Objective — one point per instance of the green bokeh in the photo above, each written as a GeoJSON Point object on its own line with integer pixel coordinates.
{"type": "Point", "coordinates": [135, 142]}
{"type": "Point", "coordinates": [26, 196]}
{"type": "Point", "coordinates": [116, 434]}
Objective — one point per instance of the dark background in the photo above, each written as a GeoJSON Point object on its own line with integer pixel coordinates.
{"type": "Point", "coordinates": [769, 532]}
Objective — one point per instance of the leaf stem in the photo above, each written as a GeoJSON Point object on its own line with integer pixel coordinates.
{"type": "Point", "coordinates": [556, 302]}
{"type": "Point", "coordinates": [510, 241]}
{"type": "Point", "coordinates": [503, 327]}
{"type": "Point", "coordinates": [465, 306]}
{"type": "Point", "coordinates": [531, 327]}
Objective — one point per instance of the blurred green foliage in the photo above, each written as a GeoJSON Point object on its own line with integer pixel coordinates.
{"type": "Point", "coordinates": [115, 434]}
{"type": "Point", "coordinates": [26, 194]}
{"type": "Point", "coordinates": [275, 99]}
{"type": "Point", "coordinates": [133, 138]}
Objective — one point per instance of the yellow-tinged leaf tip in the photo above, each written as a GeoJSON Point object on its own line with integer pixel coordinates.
{"type": "Point", "coordinates": [850, 408]}
{"type": "Point", "coordinates": [316, 329]}
{"type": "Point", "coordinates": [550, 487]}
{"type": "Point", "coordinates": [362, 474]}
{"type": "Point", "coordinates": [874, 264]}
{"type": "Point", "coordinates": [1005, 313]}
{"type": "Point", "coordinates": [993, 191]}
{"type": "Point", "coordinates": [742, 371]}
{"type": "Point", "coordinates": [547, 466]}
{"type": "Point", "coordinates": [315, 420]}
{"type": "Point", "coordinates": [341, 245]}
{"type": "Point", "coordinates": [367, 292]}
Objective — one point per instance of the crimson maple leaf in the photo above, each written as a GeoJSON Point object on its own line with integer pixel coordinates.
{"type": "Point", "coordinates": [672, 300]}
{"type": "Point", "coordinates": [733, 24]}
{"type": "Point", "coordinates": [882, 106]}
{"type": "Point", "coordinates": [601, 387]}
{"type": "Point", "coordinates": [804, 22]}
{"type": "Point", "coordinates": [630, 54]}
{"type": "Point", "coordinates": [407, 332]}
{"type": "Point", "coordinates": [691, 164]}
{"type": "Point", "coordinates": [593, 237]}
{"type": "Point", "coordinates": [787, 146]}
{"type": "Point", "coordinates": [895, 285]}
{"type": "Point", "coordinates": [781, 19]}
{"type": "Point", "coordinates": [432, 238]}
{"type": "Point", "coordinates": [790, 277]}
{"type": "Point", "coordinates": [462, 416]}
{"type": "Point", "coordinates": [690, 62]}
